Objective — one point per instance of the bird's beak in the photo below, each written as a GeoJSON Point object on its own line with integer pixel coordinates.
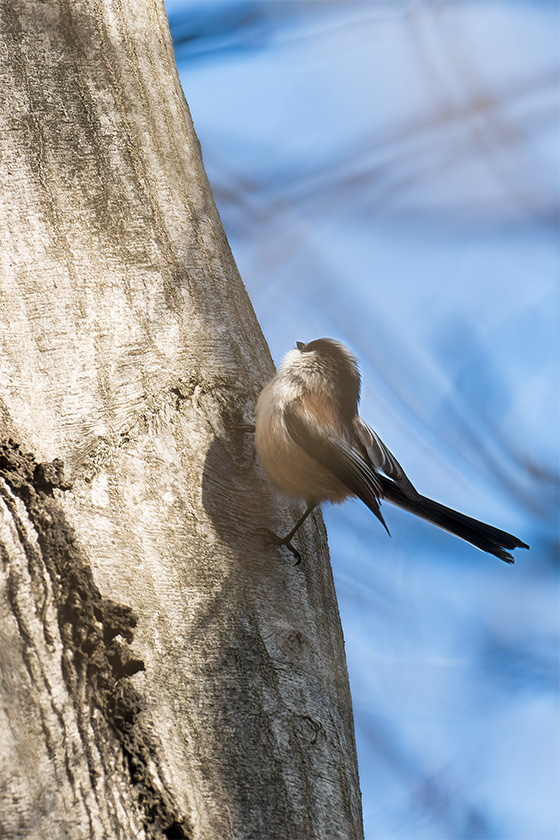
{"type": "Point", "coordinates": [300, 345]}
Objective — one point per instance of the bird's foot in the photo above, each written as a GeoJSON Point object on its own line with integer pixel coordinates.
{"type": "Point", "coordinates": [274, 539]}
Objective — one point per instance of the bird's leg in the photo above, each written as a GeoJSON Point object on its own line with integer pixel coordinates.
{"type": "Point", "coordinates": [286, 541]}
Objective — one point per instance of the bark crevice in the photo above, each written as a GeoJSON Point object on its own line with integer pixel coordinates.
{"type": "Point", "coordinates": [96, 633]}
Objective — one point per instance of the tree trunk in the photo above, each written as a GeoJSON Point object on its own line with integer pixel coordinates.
{"type": "Point", "coordinates": [163, 672]}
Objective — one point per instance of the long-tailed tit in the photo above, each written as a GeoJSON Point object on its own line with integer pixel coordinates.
{"type": "Point", "coordinates": [313, 444]}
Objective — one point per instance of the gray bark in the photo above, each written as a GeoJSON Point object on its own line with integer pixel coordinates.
{"type": "Point", "coordinates": [163, 673]}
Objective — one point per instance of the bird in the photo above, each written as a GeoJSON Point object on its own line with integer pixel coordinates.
{"type": "Point", "coordinates": [313, 444]}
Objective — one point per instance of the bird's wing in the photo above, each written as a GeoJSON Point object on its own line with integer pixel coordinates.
{"type": "Point", "coordinates": [381, 458]}
{"type": "Point", "coordinates": [337, 455]}
{"type": "Point", "coordinates": [370, 471]}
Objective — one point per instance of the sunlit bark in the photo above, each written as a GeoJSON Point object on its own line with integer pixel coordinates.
{"type": "Point", "coordinates": [163, 671]}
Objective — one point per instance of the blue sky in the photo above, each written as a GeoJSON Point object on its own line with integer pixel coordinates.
{"type": "Point", "coordinates": [387, 174]}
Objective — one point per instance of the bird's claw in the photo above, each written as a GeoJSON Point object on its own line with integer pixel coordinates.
{"type": "Point", "coordinates": [274, 539]}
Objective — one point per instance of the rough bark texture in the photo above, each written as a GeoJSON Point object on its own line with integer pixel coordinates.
{"type": "Point", "coordinates": [163, 672]}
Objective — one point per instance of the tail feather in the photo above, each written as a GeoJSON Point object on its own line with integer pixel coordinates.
{"type": "Point", "coordinates": [479, 534]}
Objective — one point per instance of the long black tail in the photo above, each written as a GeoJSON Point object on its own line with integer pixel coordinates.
{"type": "Point", "coordinates": [483, 536]}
